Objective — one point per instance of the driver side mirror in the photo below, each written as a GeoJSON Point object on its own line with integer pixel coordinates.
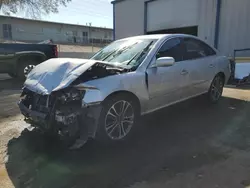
{"type": "Point", "coordinates": [164, 62]}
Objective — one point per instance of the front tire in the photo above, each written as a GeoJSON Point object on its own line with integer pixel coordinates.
{"type": "Point", "coordinates": [118, 118]}
{"type": "Point", "coordinates": [24, 69]}
{"type": "Point", "coordinates": [216, 89]}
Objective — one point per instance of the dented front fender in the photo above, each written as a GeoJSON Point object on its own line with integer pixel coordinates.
{"type": "Point", "coordinates": [92, 97]}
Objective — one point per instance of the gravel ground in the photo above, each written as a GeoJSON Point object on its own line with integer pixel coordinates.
{"type": "Point", "coordinates": [191, 144]}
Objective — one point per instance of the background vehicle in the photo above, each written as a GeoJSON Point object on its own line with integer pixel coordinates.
{"type": "Point", "coordinates": [18, 59]}
{"type": "Point", "coordinates": [49, 41]}
{"type": "Point", "coordinates": [103, 97]}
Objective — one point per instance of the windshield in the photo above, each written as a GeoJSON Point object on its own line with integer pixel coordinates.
{"type": "Point", "coordinates": [125, 53]}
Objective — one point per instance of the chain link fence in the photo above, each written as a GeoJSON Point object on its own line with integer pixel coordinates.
{"type": "Point", "coordinates": [75, 47]}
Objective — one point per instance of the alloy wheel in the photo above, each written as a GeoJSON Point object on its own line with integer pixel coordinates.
{"type": "Point", "coordinates": [216, 88]}
{"type": "Point", "coordinates": [119, 120]}
{"type": "Point", "coordinates": [27, 69]}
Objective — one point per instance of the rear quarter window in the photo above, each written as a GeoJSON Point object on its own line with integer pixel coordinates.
{"type": "Point", "coordinates": [195, 49]}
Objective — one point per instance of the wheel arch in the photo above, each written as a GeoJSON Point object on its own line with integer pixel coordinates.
{"type": "Point", "coordinates": [222, 74]}
{"type": "Point", "coordinates": [126, 93]}
{"type": "Point", "coordinates": [23, 58]}
{"type": "Point", "coordinates": [37, 58]}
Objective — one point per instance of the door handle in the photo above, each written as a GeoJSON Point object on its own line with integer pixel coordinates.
{"type": "Point", "coordinates": [184, 72]}
{"type": "Point", "coordinates": [211, 65]}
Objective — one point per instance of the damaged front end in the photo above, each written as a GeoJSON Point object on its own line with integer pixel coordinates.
{"type": "Point", "coordinates": [62, 113]}
{"type": "Point", "coordinates": [56, 100]}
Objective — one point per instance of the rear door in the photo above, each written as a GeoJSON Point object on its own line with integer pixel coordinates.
{"type": "Point", "coordinates": [200, 59]}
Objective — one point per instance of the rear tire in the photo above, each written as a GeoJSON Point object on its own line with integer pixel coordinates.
{"type": "Point", "coordinates": [12, 75]}
{"type": "Point", "coordinates": [118, 119]}
{"type": "Point", "coordinates": [216, 89]}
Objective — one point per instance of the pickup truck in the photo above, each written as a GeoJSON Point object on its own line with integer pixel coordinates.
{"type": "Point", "coordinates": [19, 59]}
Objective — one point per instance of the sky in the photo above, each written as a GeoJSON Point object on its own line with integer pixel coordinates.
{"type": "Point", "coordinates": [98, 12]}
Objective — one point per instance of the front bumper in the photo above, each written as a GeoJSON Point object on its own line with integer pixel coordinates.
{"type": "Point", "coordinates": [88, 115]}
{"type": "Point", "coordinates": [34, 116]}
{"type": "Point", "coordinates": [43, 119]}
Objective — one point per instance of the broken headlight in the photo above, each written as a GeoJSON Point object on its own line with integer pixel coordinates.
{"type": "Point", "coordinates": [71, 95]}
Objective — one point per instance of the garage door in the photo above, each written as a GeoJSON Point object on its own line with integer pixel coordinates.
{"type": "Point", "coordinates": [234, 27]}
{"type": "Point", "coordinates": [169, 14]}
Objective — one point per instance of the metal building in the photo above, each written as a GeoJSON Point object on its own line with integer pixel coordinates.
{"type": "Point", "coordinates": [28, 30]}
{"type": "Point", "coordinates": [224, 24]}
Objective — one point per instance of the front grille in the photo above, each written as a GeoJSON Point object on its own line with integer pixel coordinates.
{"type": "Point", "coordinates": [37, 102]}
{"type": "Point", "coordinates": [40, 103]}
{"type": "Point", "coordinates": [40, 100]}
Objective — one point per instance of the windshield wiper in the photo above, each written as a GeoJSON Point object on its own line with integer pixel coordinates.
{"type": "Point", "coordinates": [118, 52]}
{"type": "Point", "coordinates": [107, 56]}
{"type": "Point", "coordinates": [140, 54]}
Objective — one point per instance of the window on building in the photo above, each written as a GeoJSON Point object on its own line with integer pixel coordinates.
{"type": "Point", "coordinates": [85, 34]}
{"type": "Point", "coordinates": [196, 49]}
{"type": "Point", "coordinates": [172, 48]}
{"type": "Point", "coordinates": [7, 31]}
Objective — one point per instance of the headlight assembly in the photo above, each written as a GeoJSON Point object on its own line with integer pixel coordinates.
{"type": "Point", "coordinates": [71, 95]}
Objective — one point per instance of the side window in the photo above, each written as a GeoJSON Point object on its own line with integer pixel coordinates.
{"type": "Point", "coordinates": [171, 48]}
{"type": "Point", "coordinates": [196, 49]}
{"type": "Point", "coordinates": [208, 50]}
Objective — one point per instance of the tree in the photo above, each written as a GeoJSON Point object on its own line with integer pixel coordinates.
{"type": "Point", "coordinates": [32, 8]}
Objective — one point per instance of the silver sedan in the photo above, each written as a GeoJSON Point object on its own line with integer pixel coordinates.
{"type": "Point", "coordinates": [104, 96]}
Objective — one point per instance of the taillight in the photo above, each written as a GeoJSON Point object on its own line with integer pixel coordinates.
{"type": "Point", "coordinates": [56, 51]}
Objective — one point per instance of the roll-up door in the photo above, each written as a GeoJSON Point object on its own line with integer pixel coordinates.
{"type": "Point", "coordinates": [170, 14]}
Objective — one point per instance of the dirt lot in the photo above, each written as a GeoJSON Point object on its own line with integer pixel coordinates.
{"type": "Point", "coordinates": [190, 145]}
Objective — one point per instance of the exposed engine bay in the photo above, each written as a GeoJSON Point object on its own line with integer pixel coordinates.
{"type": "Point", "coordinates": [99, 70]}
{"type": "Point", "coordinates": [62, 112]}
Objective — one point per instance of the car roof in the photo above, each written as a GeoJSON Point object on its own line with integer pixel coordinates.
{"type": "Point", "coordinates": [158, 36]}
{"type": "Point", "coordinates": [166, 36]}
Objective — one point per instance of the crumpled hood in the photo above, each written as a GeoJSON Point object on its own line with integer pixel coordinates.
{"type": "Point", "coordinates": [55, 74]}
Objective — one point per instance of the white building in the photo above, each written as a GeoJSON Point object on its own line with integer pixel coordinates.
{"type": "Point", "coordinates": [224, 24]}
{"type": "Point", "coordinates": [29, 30]}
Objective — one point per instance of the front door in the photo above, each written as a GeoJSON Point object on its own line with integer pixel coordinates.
{"type": "Point", "coordinates": [166, 85]}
